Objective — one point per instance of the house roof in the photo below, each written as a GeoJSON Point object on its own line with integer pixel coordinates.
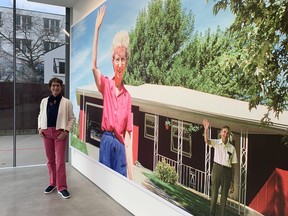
{"type": "Point", "coordinates": [193, 106]}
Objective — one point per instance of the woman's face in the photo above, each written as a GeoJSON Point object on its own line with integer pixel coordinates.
{"type": "Point", "coordinates": [56, 89]}
{"type": "Point", "coordinates": [119, 63]}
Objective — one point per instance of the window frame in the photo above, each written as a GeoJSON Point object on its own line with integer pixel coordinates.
{"type": "Point", "coordinates": [51, 25]}
{"type": "Point", "coordinates": [187, 139]}
{"type": "Point", "coordinates": [21, 44]}
{"type": "Point", "coordinates": [149, 118]}
{"type": "Point", "coordinates": [48, 45]}
{"type": "Point", "coordinates": [58, 66]}
{"type": "Point", "coordinates": [23, 22]}
{"type": "Point", "coordinates": [1, 21]}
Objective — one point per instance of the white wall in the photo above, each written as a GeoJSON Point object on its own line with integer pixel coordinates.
{"type": "Point", "coordinates": [82, 8]}
{"type": "Point", "coordinates": [129, 194]}
{"type": "Point", "coordinates": [135, 198]}
{"type": "Point", "coordinates": [49, 57]}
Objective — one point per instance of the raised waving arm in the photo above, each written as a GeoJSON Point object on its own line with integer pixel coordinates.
{"type": "Point", "coordinates": [206, 125]}
{"type": "Point", "coordinates": [96, 71]}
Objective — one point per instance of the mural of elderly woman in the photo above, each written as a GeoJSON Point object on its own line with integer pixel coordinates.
{"type": "Point", "coordinates": [115, 144]}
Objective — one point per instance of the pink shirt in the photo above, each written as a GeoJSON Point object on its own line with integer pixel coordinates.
{"type": "Point", "coordinates": [116, 115]}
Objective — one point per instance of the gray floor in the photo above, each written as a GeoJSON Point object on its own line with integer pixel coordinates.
{"type": "Point", "coordinates": [29, 150]}
{"type": "Point", "coordinates": [22, 194]}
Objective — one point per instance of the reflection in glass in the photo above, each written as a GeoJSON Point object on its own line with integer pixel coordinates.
{"type": "Point", "coordinates": [37, 34]}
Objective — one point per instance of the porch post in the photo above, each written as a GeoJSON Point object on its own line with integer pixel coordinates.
{"type": "Point", "coordinates": [180, 150]}
{"type": "Point", "coordinates": [243, 162]}
{"type": "Point", "coordinates": [156, 132]}
{"type": "Point", "coordinates": [207, 167]}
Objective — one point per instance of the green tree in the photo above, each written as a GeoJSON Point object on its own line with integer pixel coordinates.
{"type": "Point", "coordinates": [164, 50]}
{"type": "Point", "coordinates": [185, 71]}
{"type": "Point", "coordinates": [160, 33]}
{"type": "Point", "coordinates": [218, 75]}
{"type": "Point", "coordinates": [199, 66]}
{"type": "Point", "coordinates": [260, 34]}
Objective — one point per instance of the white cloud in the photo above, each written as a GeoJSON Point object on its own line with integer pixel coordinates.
{"type": "Point", "coordinates": [78, 31]}
{"type": "Point", "coordinates": [79, 59]}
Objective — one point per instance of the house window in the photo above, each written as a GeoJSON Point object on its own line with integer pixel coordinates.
{"type": "Point", "coordinates": [149, 126]}
{"type": "Point", "coordinates": [51, 25]}
{"type": "Point", "coordinates": [1, 42]}
{"type": "Point", "coordinates": [62, 67]}
{"type": "Point", "coordinates": [23, 45]}
{"type": "Point", "coordinates": [187, 139]}
{"type": "Point", "coordinates": [93, 123]}
{"type": "Point", "coordinates": [59, 66]}
{"type": "Point", "coordinates": [23, 22]}
{"type": "Point", "coordinates": [50, 45]}
{"type": "Point", "coordinates": [1, 21]}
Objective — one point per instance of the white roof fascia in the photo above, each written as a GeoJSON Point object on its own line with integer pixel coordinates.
{"type": "Point", "coordinates": [190, 105]}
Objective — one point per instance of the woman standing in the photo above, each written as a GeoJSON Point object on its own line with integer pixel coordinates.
{"type": "Point", "coordinates": [55, 120]}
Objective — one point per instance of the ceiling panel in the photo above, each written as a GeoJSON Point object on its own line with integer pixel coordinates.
{"type": "Point", "coordinates": [62, 3]}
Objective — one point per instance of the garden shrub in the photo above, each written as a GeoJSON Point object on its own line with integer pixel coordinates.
{"type": "Point", "coordinates": [165, 172]}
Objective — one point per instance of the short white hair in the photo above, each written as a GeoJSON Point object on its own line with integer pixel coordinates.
{"type": "Point", "coordinates": [121, 39]}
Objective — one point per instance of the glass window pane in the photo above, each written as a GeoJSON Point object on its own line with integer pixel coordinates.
{"type": "Point", "coordinates": [187, 139]}
{"type": "Point", "coordinates": [149, 126]}
{"type": "Point", "coordinates": [30, 86]}
{"type": "Point", "coordinates": [6, 111]}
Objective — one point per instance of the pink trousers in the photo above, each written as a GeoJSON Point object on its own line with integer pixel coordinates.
{"type": "Point", "coordinates": [56, 157]}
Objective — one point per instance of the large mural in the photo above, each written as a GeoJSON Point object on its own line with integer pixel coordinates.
{"type": "Point", "coordinates": [176, 80]}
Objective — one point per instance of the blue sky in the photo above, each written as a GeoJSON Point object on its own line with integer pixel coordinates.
{"type": "Point", "coordinates": [24, 4]}
{"type": "Point", "coordinates": [121, 15]}
{"type": "Point", "coordinates": [115, 20]}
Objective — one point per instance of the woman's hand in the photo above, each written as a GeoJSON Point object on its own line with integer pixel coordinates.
{"type": "Point", "coordinates": [100, 16]}
{"type": "Point", "coordinates": [98, 22]}
{"type": "Point", "coordinates": [40, 131]}
{"type": "Point", "coordinates": [62, 135]}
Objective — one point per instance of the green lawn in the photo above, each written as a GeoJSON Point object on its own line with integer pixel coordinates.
{"type": "Point", "coordinates": [76, 143]}
{"type": "Point", "coordinates": [178, 195]}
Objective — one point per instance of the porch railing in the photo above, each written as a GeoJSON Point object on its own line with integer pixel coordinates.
{"type": "Point", "coordinates": [195, 179]}
{"type": "Point", "coordinates": [191, 177]}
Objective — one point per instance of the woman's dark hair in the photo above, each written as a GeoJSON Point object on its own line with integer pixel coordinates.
{"type": "Point", "coordinates": [55, 80]}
